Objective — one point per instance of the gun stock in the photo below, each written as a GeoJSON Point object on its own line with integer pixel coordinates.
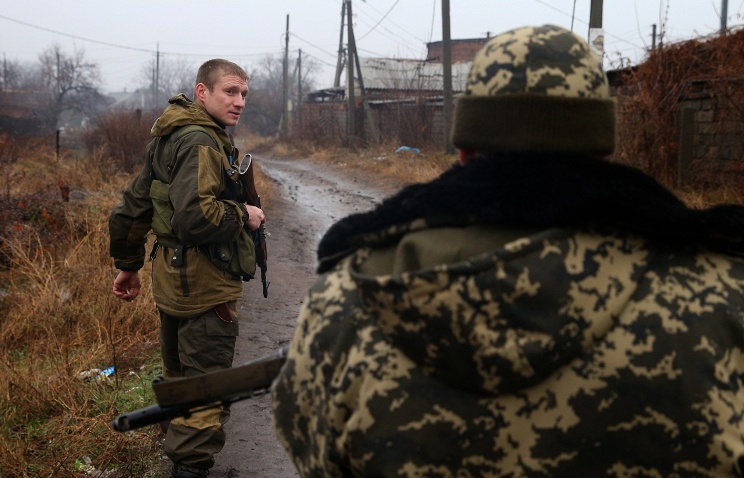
{"type": "Point", "coordinates": [184, 396]}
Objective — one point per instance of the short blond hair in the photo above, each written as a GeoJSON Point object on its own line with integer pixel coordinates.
{"type": "Point", "coordinates": [211, 71]}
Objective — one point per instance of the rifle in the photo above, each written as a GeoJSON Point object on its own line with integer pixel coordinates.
{"type": "Point", "coordinates": [181, 397]}
{"type": "Point", "coordinates": [245, 171]}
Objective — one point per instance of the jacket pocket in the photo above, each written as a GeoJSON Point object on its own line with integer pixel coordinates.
{"type": "Point", "coordinates": [237, 258]}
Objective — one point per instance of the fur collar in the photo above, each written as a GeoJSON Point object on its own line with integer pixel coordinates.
{"type": "Point", "coordinates": [544, 191]}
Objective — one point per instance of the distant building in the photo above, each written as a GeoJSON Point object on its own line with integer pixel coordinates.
{"type": "Point", "coordinates": [387, 78]}
{"type": "Point", "coordinates": [402, 98]}
{"type": "Point", "coordinates": [463, 51]}
{"type": "Point", "coordinates": [129, 99]}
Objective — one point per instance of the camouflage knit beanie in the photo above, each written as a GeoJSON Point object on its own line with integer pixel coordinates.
{"type": "Point", "coordinates": [536, 89]}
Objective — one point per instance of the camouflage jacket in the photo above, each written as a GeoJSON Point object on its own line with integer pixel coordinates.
{"type": "Point", "coordinates": [193, 164]}
{"type": "Point", "coordinates": [572, 351]}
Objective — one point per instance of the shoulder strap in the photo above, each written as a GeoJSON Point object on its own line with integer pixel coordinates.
{"type": "Point", "coordinates": [195, 127]}
{"type": "Point", "coordinates": [179, 133]}
{"type": "Point", "coordinates": [231, 184]}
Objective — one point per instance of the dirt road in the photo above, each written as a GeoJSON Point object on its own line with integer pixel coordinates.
{"type": "Point", "coordinates": [307, 198]}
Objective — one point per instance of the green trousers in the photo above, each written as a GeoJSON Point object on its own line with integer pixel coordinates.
{"type": "Point", "coordinates": [193, 346]}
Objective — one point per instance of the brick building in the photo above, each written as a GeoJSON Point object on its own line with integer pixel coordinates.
{"type": "Point", "coordinates": [463, 51]}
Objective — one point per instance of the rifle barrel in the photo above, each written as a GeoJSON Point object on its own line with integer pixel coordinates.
{"type": "Point", "coordinates": [144, 417]}
{"type": "Point", "coordinates": [182, 397]}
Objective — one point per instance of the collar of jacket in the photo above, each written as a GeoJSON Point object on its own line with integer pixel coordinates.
{"type": "Point", "coordinates": [181, 111]}
{"type": "Point", "coordinates": [539, 191]}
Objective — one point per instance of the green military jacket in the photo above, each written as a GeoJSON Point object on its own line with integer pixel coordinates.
{"type": "Point", "coordinates": [594, 350]}
{"type": "Point", "coordinates": [192, 163]}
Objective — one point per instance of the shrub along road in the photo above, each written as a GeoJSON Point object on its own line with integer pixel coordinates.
{"type": "Point", "coordinates": [307, 197]}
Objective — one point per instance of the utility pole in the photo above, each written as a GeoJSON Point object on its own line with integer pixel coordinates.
{"type": "Point", "coordinates": [154, 82]}
{"type": "Point", "coordinates": [157, 76]}
{"type": "Point", "coordinates": [368, 126]}
{"type": "Point", "coordinates": [59, 72]}
{"type": "Point", "coordinates": [596, 33]}
{"type": "Point", "coordinates": [340, 61]}
{"type": "Point", "coordinates": [653, 37]}
{"type": "Point", "coordinates": [351, 100]}
{"type": "Point", "coordinates": [298, 106]}
{"type": "Point", "coordinates": [573, 15]}
{"type": "Point", "coordinates": [724, 17]}
{"type": "Point", "coordinates": [447, 80]}
{"type": "Point", "coordinates": [352, 47]}
{"type": "Point", "coordinates": [285, 84]}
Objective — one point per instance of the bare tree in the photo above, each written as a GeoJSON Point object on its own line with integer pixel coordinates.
{"type": "Point", "coordinates": [11, 75]}
{"type": "Point", "coordinates": [167, 77]}
{"type": "Point", "coordinates": [71, 83]}
{"type": "Point", "coordinates": [264, 107]}
{"type": "Point", "coordinates": [263, 110]}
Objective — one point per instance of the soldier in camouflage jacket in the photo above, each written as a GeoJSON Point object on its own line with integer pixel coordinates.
{"type": "Point", "coordinates": [185, 196]}
{"type": "Point", "coordinates": [535, 311]}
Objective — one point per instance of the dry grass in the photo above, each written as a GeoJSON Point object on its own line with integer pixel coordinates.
{"type": "Point", "coordinates": [703, 198]}
{"type": "Point", "coordinates": [60, 319]}
{"type": "Point", "coordinates": [377, 163]}
{"type": "Point", "coordinates": [384, 166]}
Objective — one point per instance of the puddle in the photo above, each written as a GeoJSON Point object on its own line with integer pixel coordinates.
{"type": "Point", "coordinates": [319, 192]}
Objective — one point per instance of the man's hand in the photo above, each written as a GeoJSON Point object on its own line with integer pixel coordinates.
{"type": "Point", "coordinates": [256, 217]}
{"type": "Point", "coordinates": [127, 285]}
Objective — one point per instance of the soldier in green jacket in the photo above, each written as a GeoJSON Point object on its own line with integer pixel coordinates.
{"type": "Point", "coordinates": [189, 195]}
{"type": "Point", "coordinates": [536, 311]}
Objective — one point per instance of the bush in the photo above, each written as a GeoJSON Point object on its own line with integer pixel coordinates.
{"type": "Point", "coordinates": [58, 318]}
{"type": "Point", "coordinates": [650, 100]}
{"type": "Point", "coordinates": [120, 137]}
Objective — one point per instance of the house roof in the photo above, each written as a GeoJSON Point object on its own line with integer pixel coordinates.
{"type": "Point", "coordinates": [128, 99]}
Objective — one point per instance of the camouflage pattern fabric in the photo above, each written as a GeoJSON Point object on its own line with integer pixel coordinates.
{"type": "Point", "coordinates": [545, 60]}
{"type": "Point", "coordinates": [567, 353]}
{"type": "Point", "coordinates": [536, 89]}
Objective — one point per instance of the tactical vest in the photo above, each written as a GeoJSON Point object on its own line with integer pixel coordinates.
{"type": "Point", "coordinates": [238, 258]}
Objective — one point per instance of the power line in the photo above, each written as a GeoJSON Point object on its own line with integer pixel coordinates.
{"type": "Point", "coordinates": [557, 10]}
{"type": "Point", "coordinates": [380, 21]}
{"type": "Point", "coordinates": [316, 47]}
{"type": "Point", "coordinates": [76, 37]}
{"type": "Point", "coordinates": [407, 31]}
{"type": "Point", "coordinates": [123, 47]}
{"type": "Point", "coordinates": [541, 2]}
{"type": "Point", "coordinates": [396, 40]}
{"type": "Point", "coordinates": [433, 15]}
{"type": "Point", "coordinates": [309, 55]}
{"type": "Point", "coordinates": [372, 53]}
{"type": "Point", "coordinates": [386, 32]}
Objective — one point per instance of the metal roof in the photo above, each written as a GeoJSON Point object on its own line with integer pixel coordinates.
{"type": "Point", "coordinates": [417, 75]}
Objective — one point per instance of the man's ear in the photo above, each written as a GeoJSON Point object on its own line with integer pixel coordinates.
{"type": "Point", "coordinates": [200, 92]}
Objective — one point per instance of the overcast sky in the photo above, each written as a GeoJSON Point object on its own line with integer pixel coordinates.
{"type": "Point", "coordinates": [123, 36]}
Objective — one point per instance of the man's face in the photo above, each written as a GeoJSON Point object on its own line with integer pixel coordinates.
{"type": "Point", "coordinates": [226, 101]}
